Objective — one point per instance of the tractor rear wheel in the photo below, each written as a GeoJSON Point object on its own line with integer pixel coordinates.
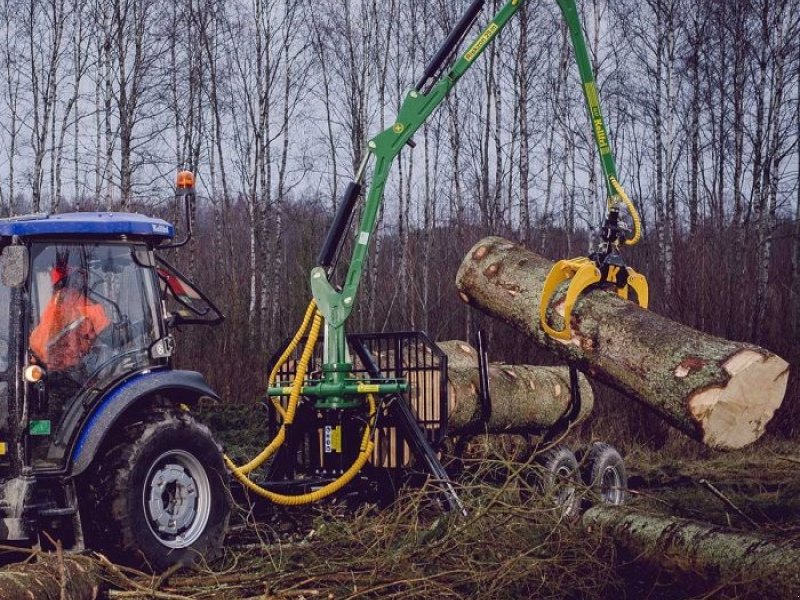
{"type": "Point", "coordinates": [160, 496]}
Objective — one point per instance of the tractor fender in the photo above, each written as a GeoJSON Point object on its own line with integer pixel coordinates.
{"type": "Point", "coordinates": [186, 386]}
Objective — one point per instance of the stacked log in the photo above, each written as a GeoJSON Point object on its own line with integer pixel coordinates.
{"type": "Point", "coordinates": [720, 392]}
{"type": "Point", "coordinates": [524, 398]}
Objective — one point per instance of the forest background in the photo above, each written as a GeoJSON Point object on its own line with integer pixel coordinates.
{"type": "Point", "coordinates": [272, 102]}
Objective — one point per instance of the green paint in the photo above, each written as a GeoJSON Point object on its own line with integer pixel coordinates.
{"type": "Point", "coordinates": [590, 94]}
{"type": "Point", "coordinates": [39, 427]}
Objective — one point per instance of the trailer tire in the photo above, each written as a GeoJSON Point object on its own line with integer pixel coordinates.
{"type": "Point", "coordinates": [159, 496]}
{"type": "Point", "coordinates": [558, 481]}
{"type": "Point", "coordinates": [604, 474]}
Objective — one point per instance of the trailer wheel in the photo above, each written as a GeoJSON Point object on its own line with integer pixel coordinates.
{"type": "Point", "coordinates": [559, 480]}
{"type": "Point", "coordinates": [604, 474]}
{"type": "Point", "coordinates": [160, 496]}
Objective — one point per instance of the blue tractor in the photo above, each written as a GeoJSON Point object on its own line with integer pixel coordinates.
{"type": "Point", "coordinates": [98, 446]}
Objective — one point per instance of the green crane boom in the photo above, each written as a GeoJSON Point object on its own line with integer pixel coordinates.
{"type": "Point", "coordinates": [337, 304]}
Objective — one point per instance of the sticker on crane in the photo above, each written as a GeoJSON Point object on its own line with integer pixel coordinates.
{"type": "Point", "coordinates": [333, 439]}
{"type": "Point", "coordinates": [593, 100]}
{"type": "Point", "coordinates": [363, 238]}
{"type": "Point", "coordinates": [3, 449]}
{"type": "Point", "coordinates": [487, 36]}
{"type": "Point", "coordinates": [39, 427]}
{"type": "Point", "coordinates": [368, 388]}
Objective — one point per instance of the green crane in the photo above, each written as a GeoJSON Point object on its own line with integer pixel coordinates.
{"type": "Point", "coordinates": [335, 389]}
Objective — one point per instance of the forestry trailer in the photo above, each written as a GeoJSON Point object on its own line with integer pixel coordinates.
{"type": "Point", "coordinates": [98, 445]}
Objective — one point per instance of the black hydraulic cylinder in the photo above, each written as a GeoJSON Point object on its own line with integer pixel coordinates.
{"type": "Point", "coordinates": [452, 42]}
{"type": "Point", "coordinates": [333, 239]}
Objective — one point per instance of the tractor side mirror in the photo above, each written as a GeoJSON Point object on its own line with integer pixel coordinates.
{"type": "Point", "coordinates": [14, 265]}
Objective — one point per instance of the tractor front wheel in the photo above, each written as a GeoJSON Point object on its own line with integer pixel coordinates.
{"type": "Point", "coordinates": [160, 496]}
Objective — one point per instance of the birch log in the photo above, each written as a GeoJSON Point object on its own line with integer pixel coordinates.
{"type": "Point", "coordinates": [714, 554]}
{"type": "Point", "coordinates": [720, 392]}
{"type": "Point", "coordinates": [68, 577]}
{"type": "Point", "coordinates": [524, 398]}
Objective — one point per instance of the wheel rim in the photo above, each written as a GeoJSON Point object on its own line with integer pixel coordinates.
{"type": "Point", "coordinates": [177, 499]}
{"type": "Point", "coordinates": [565, 488]}
{"type": "Point", "coordinates": [611, 486]}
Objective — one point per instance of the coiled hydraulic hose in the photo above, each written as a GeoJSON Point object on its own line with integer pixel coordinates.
{"type": "Point", "coordinates": [365, 452]}
{"type": "Point", "coordinates": [310, 312]}
{"type": "Point", "coordinates": [288, 414]}
{"type": "Point", "coordinates": [297, 385]}
{"type": "Point", "coordinates": [637, 221]}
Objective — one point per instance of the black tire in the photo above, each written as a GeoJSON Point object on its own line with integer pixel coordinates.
{"type": "Point", "coordinates": [159, 496]}
{"type": "Point", "coordinates": [604, 474]}
{"type": "Point", "coordinates": [559, 480]}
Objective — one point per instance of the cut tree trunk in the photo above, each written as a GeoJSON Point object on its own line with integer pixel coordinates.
{"type": "Point", "coordinates": [720, 392]}
{"type": "Point", "coordinates": [53, 577]}
{"type": "Point", "coordinates": [714, 554]}
{"type": "Point", "coordinates": [524, 398]}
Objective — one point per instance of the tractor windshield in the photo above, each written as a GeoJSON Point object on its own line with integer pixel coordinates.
{"type": "Point", "coordinates": [93, 319]}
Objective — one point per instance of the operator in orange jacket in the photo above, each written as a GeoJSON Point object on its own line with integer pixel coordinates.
{"type": "Point", "coordinates": [69, 324]}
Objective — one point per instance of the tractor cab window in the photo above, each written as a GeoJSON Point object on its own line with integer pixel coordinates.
{"type": "Point", "coordinates": [93, 318]}
{"type": "Point", "coordinates": [186, 304]}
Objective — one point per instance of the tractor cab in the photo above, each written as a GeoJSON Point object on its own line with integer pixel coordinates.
{"type": "Point", "coordinates": [87, 308]}
{"type": "Point", "coordinates": [87, 311]}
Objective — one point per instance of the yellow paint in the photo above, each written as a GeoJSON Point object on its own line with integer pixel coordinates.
{"type": "Point", "coordinates": [366, 388]}
{"type": "Point", "coordinates": [3, 449]}
{"type": "Point", "coordinates": [593, 100]}
{"type": "Point", "coordinates": [336, 439]}
{"type": "Point", "coordinates": [482, 41]}
{"type": "Point", "coordinates": [612, 274]}
{"type": "Point", "coordinates": [399, 128]}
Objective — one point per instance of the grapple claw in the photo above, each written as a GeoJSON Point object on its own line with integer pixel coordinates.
{"type": "Point", "coordinates": [583, 273]}
{"type": "Point", "coordinates": [638, 282]}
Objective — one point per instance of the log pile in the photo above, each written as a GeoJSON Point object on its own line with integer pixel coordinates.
{"type": "Point", "coordinates": [719, 392]}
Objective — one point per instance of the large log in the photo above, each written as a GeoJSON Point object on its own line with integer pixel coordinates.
{"type": "Point", "coordinates": [53, 576]}
{"type": "Point", "coordinates": [720, 392]}
{"type": "Point", "coordinates": [524, 398]}
{"type": "Point", "coordinates": [714, 554]}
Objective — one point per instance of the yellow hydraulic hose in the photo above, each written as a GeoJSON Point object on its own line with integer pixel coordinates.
{"type": "Point", "coordinates": [310, 312]}
{"type": "Point", "coordinates": [365, 452]}
{"type": "Point", "coordinates": [637, 221]}
{"type": "Point", "coordinates": [294, 396]}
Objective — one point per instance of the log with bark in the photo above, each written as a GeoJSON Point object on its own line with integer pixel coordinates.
{"type": "Point", "coordinates": [524, 398]}
{"type": "Point", "coordinates": [53, 576]}
{"type": "Point", "coordinates": [715, 555]}
{"type": "Point", "coordinates": [720, 392]}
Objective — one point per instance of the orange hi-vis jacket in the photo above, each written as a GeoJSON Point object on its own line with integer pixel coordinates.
{"type": "Point", "coordinates": [70, 323]}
